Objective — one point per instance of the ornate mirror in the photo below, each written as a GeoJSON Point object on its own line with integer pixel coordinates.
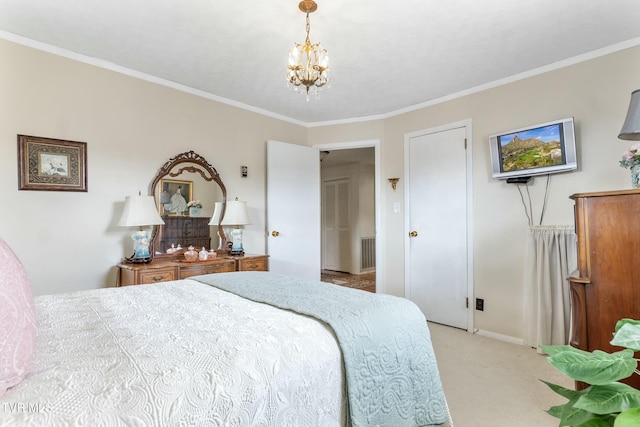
{"type": "Point", "coordinates": [187, 189]}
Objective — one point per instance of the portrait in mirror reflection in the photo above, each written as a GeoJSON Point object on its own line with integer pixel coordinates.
{"type": "Point", "coordinates": [174, 196]}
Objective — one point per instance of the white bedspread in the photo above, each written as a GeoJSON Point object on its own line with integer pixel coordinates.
{"type": "Point", "coordinates": [176, 354]}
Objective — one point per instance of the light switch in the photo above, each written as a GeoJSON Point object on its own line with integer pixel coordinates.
{"type": "Point", "coordinates": [396, 207]}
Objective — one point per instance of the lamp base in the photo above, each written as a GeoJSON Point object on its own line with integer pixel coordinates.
{"type": "Point", "coordinates": [133, 260]}
{"type": "Point", "coordinates": [235, 247]}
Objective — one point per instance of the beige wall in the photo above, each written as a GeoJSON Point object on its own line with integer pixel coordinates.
{"type": "Point", "coordinates": [70, 241]}
{"type": "Point", "coordinates": [596, 93]}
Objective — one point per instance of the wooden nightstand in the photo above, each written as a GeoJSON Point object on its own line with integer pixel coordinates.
{"type": "Point", "coordinates": [251, 262]}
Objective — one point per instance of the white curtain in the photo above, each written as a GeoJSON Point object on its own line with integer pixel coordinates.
{"type": "Point", "coordinates": [551, 258]}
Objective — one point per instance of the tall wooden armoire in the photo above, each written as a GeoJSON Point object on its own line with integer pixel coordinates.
{"type": "Point", "coordinates": [606, 287]}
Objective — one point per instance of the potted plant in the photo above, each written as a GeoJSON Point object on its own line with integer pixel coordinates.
{"type": "Point", "coordinates": [606, 402]}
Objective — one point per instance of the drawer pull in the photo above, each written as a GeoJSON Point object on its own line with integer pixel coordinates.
{"type": "Point", "coordinates": [157, 278]}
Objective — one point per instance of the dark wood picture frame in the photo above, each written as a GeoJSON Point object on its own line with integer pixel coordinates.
{"type": "Point", "coordinates": [47, 164]}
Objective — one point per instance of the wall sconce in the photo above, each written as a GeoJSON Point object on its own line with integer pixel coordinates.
{"type": "Point", "coordinates": [394, 182]}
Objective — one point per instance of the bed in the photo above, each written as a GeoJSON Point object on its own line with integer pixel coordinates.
{"type": "Point", "coordinates": [227, 349]}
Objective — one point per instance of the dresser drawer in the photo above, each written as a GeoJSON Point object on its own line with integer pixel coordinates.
{"type": "Point", "coordinates": [156, 275]}
{"type": "Point", "coordinates": [197, 268]}
{"type": "Point", "coordinates": [253, 264]}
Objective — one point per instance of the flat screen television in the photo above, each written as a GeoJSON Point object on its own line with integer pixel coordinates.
{"type": "Point", "coordinates": [540, 149]}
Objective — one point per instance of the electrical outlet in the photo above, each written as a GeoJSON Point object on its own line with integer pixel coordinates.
{"type": "Point", "coordinates": [479, 304]}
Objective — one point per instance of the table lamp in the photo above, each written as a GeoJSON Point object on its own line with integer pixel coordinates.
{"type": "Point", "coordinates": [140, 211]}
{"type": "Point", "coordinates": [236, 215]}
{"type": "Point", "coordinates": [631, 127]}
{"type": "Point", "coordinates": [215, 221]}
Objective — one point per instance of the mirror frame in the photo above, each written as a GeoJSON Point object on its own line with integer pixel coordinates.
{"type": "Point", "coordinates": [207, 172]}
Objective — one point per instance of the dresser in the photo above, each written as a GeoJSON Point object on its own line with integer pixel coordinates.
{"type": "Point", "coordinates": [176, 268]}
{"type": "Point", "coordinates": [606, 287]}
{"type": "Point", "coordinates": [184, 230]}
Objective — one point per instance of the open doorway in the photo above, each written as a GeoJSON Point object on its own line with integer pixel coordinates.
{"type": "Point", "coordinates": [348, 216]}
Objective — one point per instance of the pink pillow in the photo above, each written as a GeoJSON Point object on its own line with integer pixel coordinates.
{"type": "Point", "coordinates": [17, 320]}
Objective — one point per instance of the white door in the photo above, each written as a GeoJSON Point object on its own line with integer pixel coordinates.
{"type": "Point", "coordinates": [293, 209]}
{"type": "Point", "coordinates": [336, 234]}
{"type": "Point", "coordinates": [437, 225]}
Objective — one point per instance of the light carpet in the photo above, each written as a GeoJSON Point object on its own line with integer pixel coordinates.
{"type": "Point", "coordinates": [492, 383]}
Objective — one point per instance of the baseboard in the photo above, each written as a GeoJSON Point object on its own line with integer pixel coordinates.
{"type": "Point", "coordinates": [500, 337]}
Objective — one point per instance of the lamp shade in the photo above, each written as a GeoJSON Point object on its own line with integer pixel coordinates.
{"type": "Point", "coordinates": [236, 213]}
{"type": "Point", "coordinates": [631, 127]}
{"type": "Point", "coordinates": [140, 211]}
{"type": "Point", "coordinates": [215, 219]}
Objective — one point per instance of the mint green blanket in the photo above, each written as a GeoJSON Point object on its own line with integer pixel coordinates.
{"type": "Point", "coordinates": [391, 371]}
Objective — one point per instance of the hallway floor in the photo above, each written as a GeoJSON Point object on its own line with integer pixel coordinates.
{"type": "Point", "coordinates": [365, 282]}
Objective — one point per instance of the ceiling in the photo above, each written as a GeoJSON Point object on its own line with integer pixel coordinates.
{"type": "Point", "coordinates": [385, 56]}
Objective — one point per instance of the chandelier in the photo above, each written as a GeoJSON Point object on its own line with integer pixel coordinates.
{"type": "Point", "coordinates": [308, 68]}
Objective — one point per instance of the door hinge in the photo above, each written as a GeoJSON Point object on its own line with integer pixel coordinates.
{"type": "Point", "coordinates": [465, 143]}
{"type": "Point", "coordinates": [467, 302]}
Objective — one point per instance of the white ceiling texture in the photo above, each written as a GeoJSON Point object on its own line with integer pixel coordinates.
{"type": "Point", "coordinates": [386, 56]}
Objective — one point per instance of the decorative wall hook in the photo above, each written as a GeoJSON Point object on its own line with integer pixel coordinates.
{"type": "Point", "coordinates": [393, 182]}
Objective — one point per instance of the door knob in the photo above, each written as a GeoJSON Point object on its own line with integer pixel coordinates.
{"type": "Point", "coordinates": [275, 233]}
{"type": "Point", "coordinates": [413, 234]}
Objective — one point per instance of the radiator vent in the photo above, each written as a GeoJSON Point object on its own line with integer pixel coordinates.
{"type": "Point", "coordinates": [367, 253]}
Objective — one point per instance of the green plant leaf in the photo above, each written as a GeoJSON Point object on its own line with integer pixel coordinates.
{"type": "Point", "coordinates": [595, 368]}
{"type": "Point", "coordinates": [557, 411]}
{"type": "Point", "coordinates": [609, 398]}
{"type": "Point", "coordinates": [564, 392]}
{"type": "Point", "coordinates": [555, 349]}
{"type": "Point", "coordinates": [598, 421]}
{"type": "Point", "coordinates": [629, 418]}
{"type": "Point", "coordinates": [627, 334]}
{"type": "Point", "coordinates": [626, 321]}
{"type": "Point", "coordinates": [570, 415]}
{"type": "Point", "coordinates": [567, 414]}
